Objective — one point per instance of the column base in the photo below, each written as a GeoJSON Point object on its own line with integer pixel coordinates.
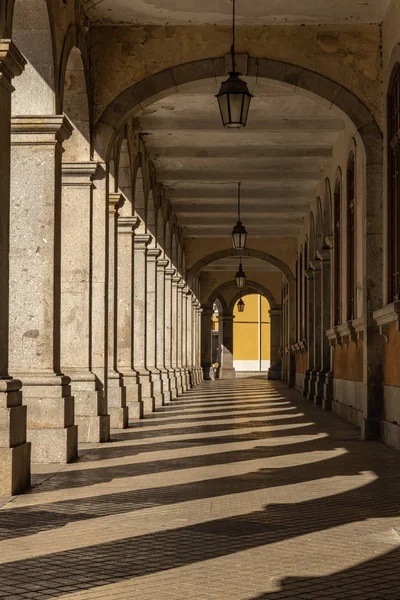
{"type": "Point", "coordinates": [93, 430]}
{"type": "Point", "coordinates": [173, 386]}
{"type": "Point", "coordinates": [370, 429]}
{"type": "Point", "coordinates": [51, 418]}
{"type": "Point", "coordinates": [227, 373]}
{"type": "Point", "coordinates": [90, 409]}
{"type": "Point", "coordinates": [208, 373]}
{"type": "Point", "coordinates": [166, 387]}
{"type": "Point", "coordinates": [157, 391]}
{"type": "Point", "coordinates": [328, 391]}
{"type": "Point", "coordinates": [147, 398]}
{"type": "Point", "coordinates": [133, 392]}
{"type": "Point", "coordinates": [54, 445]}
{"type": "Point", "coordinates": [15, 469]}
{"type": "Point", "coordinates": [117, 407]}
{"type": "Point", "coordinates": [179, 381]}
{"type": "Point", "coordinates": [274, 373]}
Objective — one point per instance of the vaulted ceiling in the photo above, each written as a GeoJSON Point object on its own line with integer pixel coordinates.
{"type": "Point", "coordinates": [278, 157]}
{"type": "Point", "coordinates": [176, 12]}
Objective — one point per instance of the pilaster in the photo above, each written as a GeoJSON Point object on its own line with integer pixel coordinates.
{"type": "Point", "coordinates": [15, 451]}
{"type": "Point", "coordinates": [168, 275]}
{"type": "Point", "coordinates": [206, 345]}
{"type": "Point", "coordinates": [35, 256]}
{"type": "Point", "coordinates": [315, 341]}
{"type": "Point", "coordinates": [310, 283]}
{"type": "Point", "coordinates": [176, 332]}
{"type": "Point", "coordinates": [274, 372]}
{"type": "Point", "coordinates": [325, 375]}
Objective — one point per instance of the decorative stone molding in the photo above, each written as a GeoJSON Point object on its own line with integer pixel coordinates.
{"type": "Point", "coordinates": [81, 174]}
{"type": "Point", "coordinates": [162, 263]}
{"type": "Point", "coordinates": [359, 326]}
{"type": "Point", "coordinates": [127, 225]}
{"type": "Point", "coordinates": [309, 273]}
{"type": "Point", "coordinates": [141, 241]}
{"type": "Point", "coordinates": [169, 273]}
{"type": "Point", "coordinates": [12, 63]}
{"type": "Point", "coordinates": [153, 253]}
{"type": "Point", "coordinates": [346, 330]}
{"type": "Point", "coordinates": [333, 336]}
{"type": "Point", "coordinates": [303, 345]}
{"type": "Point", "coordinates": [115, 202]}
{"type": "Point", "coordinates": [324, 254]}
{"type": "Point", "coordinates": [316, 265]}
{"type": "Point", "coordinates": [387, 315]}
{"type": "Point", "coordinates": [39, 130]}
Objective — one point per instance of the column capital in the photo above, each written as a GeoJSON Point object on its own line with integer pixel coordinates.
{"type": "Point", "coordinates": [12, 63]}
{"type": "Point", "coordinates": [226, 318]}
{"type": "Point", "coordinates": [324, 254]}
{"type": "Point", "coordinates": [127, 224]}
{"type": "Point", "coordinates": [169, 273]}
{"type": "Point", "coordinates": [115, 202]}
{"type": "Point", "coordinates": [162, 264]}
{"type": "Point", "coordinates": [141, 240]}
{"type": "Point", "coordinates": [309, 273]}
{"type": "Point", "coordinates": [316, 265]}
{"type": "Point", "coordinates": [187, 291]}
{"type": "Point", "coordinates": [329, 241]}
{"type": "Point", "coordinates": [176, 279]}
{"type": "Point", "coordinates": [40, 129]}
{"type": "Point", "coordinates": [207, 310]}
{"type": "Point", "coordinates": [194, 301]}
{"type": "Point", "coordinates": [275, 312]}
{"type": "Point", "coordinates": [181, 284]}
{"type": "Point", "coordinates": [153, 253]}
{"type": "Point", "coordinates": [81, 174]}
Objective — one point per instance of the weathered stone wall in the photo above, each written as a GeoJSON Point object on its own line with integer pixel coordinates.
{"type": "Point", "coordinates": [347, 54]}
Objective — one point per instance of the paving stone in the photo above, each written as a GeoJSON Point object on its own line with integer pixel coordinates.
{"type": "Point", "coordinates": [238, 490]}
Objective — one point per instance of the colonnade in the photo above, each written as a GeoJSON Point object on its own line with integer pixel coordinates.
{"type": "Point", "coordinates": [98, 326]}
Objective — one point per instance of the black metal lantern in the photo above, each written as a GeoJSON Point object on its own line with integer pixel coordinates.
{"type": "Point", "coordinates": [239, 233]}
{"type": "Point", "coordinates": [234, 97]}
{"type": "Point", "coordinates": [241, 305]}
{"type": "Point", "coordinates": [240, 277]}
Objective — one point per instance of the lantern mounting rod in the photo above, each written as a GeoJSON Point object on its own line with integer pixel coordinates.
{"type": "Point", "coordinates": [239, 184]}
{"type": "Point", "coordinates": [233, 36]}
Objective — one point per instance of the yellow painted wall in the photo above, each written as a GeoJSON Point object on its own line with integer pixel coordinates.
{"type": "Point", "coordinates": [245, 329]}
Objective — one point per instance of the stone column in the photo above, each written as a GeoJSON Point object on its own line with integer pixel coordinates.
{"type": "Point", "coordinates": [15, 452]}
{"type": "Point", "coordinates": [151, 324]}
{"type": "Point", "coordinates": [309, 315]}
{"type": "Point", "coordinates": [206, 345]}
{"type": "Point", "coordinates": [325, 375]}
{"type": "Point", "coordinates": [274, 372]}
{"type": "Point", "coordinates": [176, 324]}
{"type": "Point", "coordinates": [99, 282]}
{"type": "Point", "coordinates": [116, 392]}
{"type": "Point", "coordinates": [316, 341]}
{"type": "Point", "coordinates": [125, 333]}
{"type": "Point", "coordinates": [90, 404]}
{"type": "Point", "coordinates": [199, 312]}
{"type": "Point", "coordinates": [189, 341]}
{"type": "Point", "coordinates": [35, 256]}
{"type": "Point", "coordinates": [168, 274]}
{"type": "Point", "coordinates": [161, 333]}
{"type": "Point", "coordinates": [195, 376]}
{"type": "Point", "coordinates": [227, 370]}
{"type": "Point", "coordinates": [139, 321]}
{"type": "Point", "coordinates": [184, 319]}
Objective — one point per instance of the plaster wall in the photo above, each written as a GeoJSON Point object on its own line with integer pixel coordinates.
{"type": "Point", "coordinates": [347, 54]}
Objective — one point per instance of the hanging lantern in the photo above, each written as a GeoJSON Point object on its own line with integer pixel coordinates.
{"type": "Point", "coordinates": [234, 97]}
{"type": "Point", "coordinates": [240, 277]}
{"type": "Point", "coordinates": [241, 305]}
{"type": "Point", "coordinates": [239, 233]}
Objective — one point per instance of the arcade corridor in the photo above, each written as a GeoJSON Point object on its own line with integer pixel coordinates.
{"type": "Point", "coordinates": [238, 490]}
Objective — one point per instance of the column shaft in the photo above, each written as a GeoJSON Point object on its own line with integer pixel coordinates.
{"type": "Point", "coordinates": [125, 333]}
{"type": "Point", "coordinates": [206, 345]}
{"type": "Point", "coordinates": [161, 333]}
{"type": "Point", "coordinates": [169, 273]}
{"type": "Point", "coordinates": [116, 395]}
{"type": "Point", "coordinates": [141, 242]}
{"type": "Point", "coordinates": [151, 324]}
{"type": "Point", "coordinates": [90, 403]}
{"type": "Point", "coordinates": [227, 370]}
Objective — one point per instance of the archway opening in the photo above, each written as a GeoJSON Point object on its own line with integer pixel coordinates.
{"type": "Point", "coordinates": [252, 335]}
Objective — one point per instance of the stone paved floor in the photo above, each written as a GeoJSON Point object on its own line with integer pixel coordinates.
{"type": "Point", "coordinates": [239, 490]}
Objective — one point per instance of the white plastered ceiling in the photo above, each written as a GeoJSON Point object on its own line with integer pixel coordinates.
{"type": "Point", "coordinates": [279, 157]}
{"type": "Point", "coordinates": [176, 12]}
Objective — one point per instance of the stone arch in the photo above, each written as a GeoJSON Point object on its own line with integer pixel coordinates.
{"type": "Point", "coordinates": [319, 238]}
{"type": "Point", "coordinates": [124, 178]}
{"type": "Point", "coordinates": [327, 215]}
{"type": "Point", "coordinates": [35, 90]}
{"type": "Point", "coordinates": [312, 239]}
{"type": "Point", "coordinates": [168, 241]}
{"type": "Point", "coordinates": [160, 230]}
{"type": "Point", "coordinates": [164, 83]}
{"type": "Point", "coordinates": [206, 260]}
{"type": "Point", "coordinates": [252, 287]}
{"type": "Point", "coordinates": [139, 197]}
{"type": "Point", "coordinates": [75, 104]}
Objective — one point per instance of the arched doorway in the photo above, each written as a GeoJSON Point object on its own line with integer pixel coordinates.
{"type": "Point", "coordinates": [252, 335]}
